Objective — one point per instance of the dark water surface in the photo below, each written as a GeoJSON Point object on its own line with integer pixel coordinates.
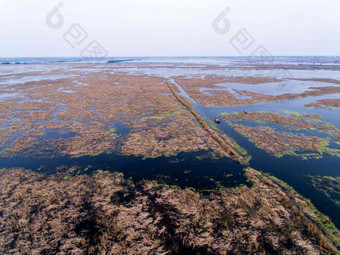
{"type": "Point", "coordinates": [184, 169]}
{"type": "Point", "coordinates": [192, 169]}
{"type": "Point", "coordinates": [290, 169]}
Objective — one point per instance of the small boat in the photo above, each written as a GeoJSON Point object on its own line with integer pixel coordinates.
{"type": "Point", "coordinates": [217, 121]}
{"type": "Point", "coordinates": [245, 111]}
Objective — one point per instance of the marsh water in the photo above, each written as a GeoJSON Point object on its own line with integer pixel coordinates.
{"type": "Point", "coordinates": [193, 169]}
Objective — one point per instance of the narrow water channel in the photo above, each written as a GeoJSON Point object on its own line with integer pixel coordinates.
{"type": "Point", "coordinates": [290, 169]}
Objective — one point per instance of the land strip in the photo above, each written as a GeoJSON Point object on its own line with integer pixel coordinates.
{"type": "Point", "coordinates": [226, 145]}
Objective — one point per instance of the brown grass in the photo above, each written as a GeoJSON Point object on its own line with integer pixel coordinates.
{"type": "Point", "coordinates": [106, 214]}
{"type": "Point", "coordinates": [231, 152]}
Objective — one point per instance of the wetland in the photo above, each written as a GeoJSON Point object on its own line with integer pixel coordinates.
{"type": "Point", "coordinates": [143, 165]}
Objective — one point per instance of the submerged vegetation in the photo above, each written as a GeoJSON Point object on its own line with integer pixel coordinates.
{"type": "Point", "coordinates": [324, 103]}
{"type": "Point", "coordinates": [165, 115]}
{"type": "Point", "coordinates": [328, 185]}
{"type": "Point", "coordinates": [106, 213]}
{"type": "Point", "coordinates": [283, 143]}
{"type": "Point", "coordinates": [280, 143]}
{"type": "Point", "coordinates": [225, 143]}
{"type": "Point", "coordinates": [322, 221]}
{"type": "Point", "coordinates": [183, 190]}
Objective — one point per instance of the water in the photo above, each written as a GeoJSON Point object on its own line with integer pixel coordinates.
{"type": "Point", "coordinates": [190, 169]}
{"type": "Point", "coordinates": [290, 169]}
{"type": "Point", "coordinates": [25, 79]}
{"type": "Point", "coordinates": [275, 88]}
{"type": "Point", "coordinates": [184, 169]}
{"type": "Point", "coordinates": [8, 95]}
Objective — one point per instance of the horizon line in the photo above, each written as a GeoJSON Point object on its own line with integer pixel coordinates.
{"type": "Point", "coordinates": [159, 56]}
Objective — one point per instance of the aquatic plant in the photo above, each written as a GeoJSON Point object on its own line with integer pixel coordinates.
{"type": "Point", "coordinates": [295, 114]}
{"type": "Point", "coordinates": [225, 145]}
{"type": "Point", "coordinates": [324, 103]}
{"type": "Point", "coordinates": [322, 221]}
{"type": "Point", "coordinates": [284, 143]}
{"type": "Point", "coordinates": [106, 213]}
{"type": "Point", "coordinates": [328, 185]}
{"type": "Point", "coordinates": [163, 116]}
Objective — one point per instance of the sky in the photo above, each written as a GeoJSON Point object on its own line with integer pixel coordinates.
{"type": "Point", "coordinates": [45, 28]}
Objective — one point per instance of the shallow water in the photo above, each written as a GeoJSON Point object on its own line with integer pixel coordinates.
{"type": "Point", "coordinates": [186, 169]}
{"type": "Point", "coordinates": [9, 95]}
{"type": "Point", "coordinates": [290, 169]}
{"type": "Point", "coordinates": [21, 80]}
{"type": "Point", "coordinates": [276, 88]}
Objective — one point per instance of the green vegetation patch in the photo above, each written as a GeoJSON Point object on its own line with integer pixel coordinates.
{"type": "Point", "coordinates": [74, 171]}
{"type": "Point", "coordinates": [294, 114]}
{"type": "Point", "coordinates": [89, 154]}
{"type": "Point", "coordinates": [325, 224]}
{"type": "Point", "coordinates": [328, 185]}
{"type": "Point", "coordinates": [314, 117]}
{"type": "Point", "coordinates": [161, 185]}
{"type": "Point", "coordinates": [323, 149]}
{"type": "Point", "coordinates": [165, 115]}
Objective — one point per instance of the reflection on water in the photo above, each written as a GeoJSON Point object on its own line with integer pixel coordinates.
{"type": "Point", "coordinates": [9, 95]}
{"type": "Point", "coordinates": [276, 88]}
{"type": "Point", "coordinates": [15, 80]}
{"type": "Point", "coordinates": [184, 170]}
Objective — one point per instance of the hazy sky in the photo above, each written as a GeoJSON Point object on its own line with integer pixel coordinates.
{"type": "Point", "coordinates": [170, 28]}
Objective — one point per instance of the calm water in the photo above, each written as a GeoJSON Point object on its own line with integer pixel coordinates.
{"type": "Point", "coordinates": [185, 169]}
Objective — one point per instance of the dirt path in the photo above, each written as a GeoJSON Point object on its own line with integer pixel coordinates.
{"type": "Point", "coordinates": [226, 145]}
